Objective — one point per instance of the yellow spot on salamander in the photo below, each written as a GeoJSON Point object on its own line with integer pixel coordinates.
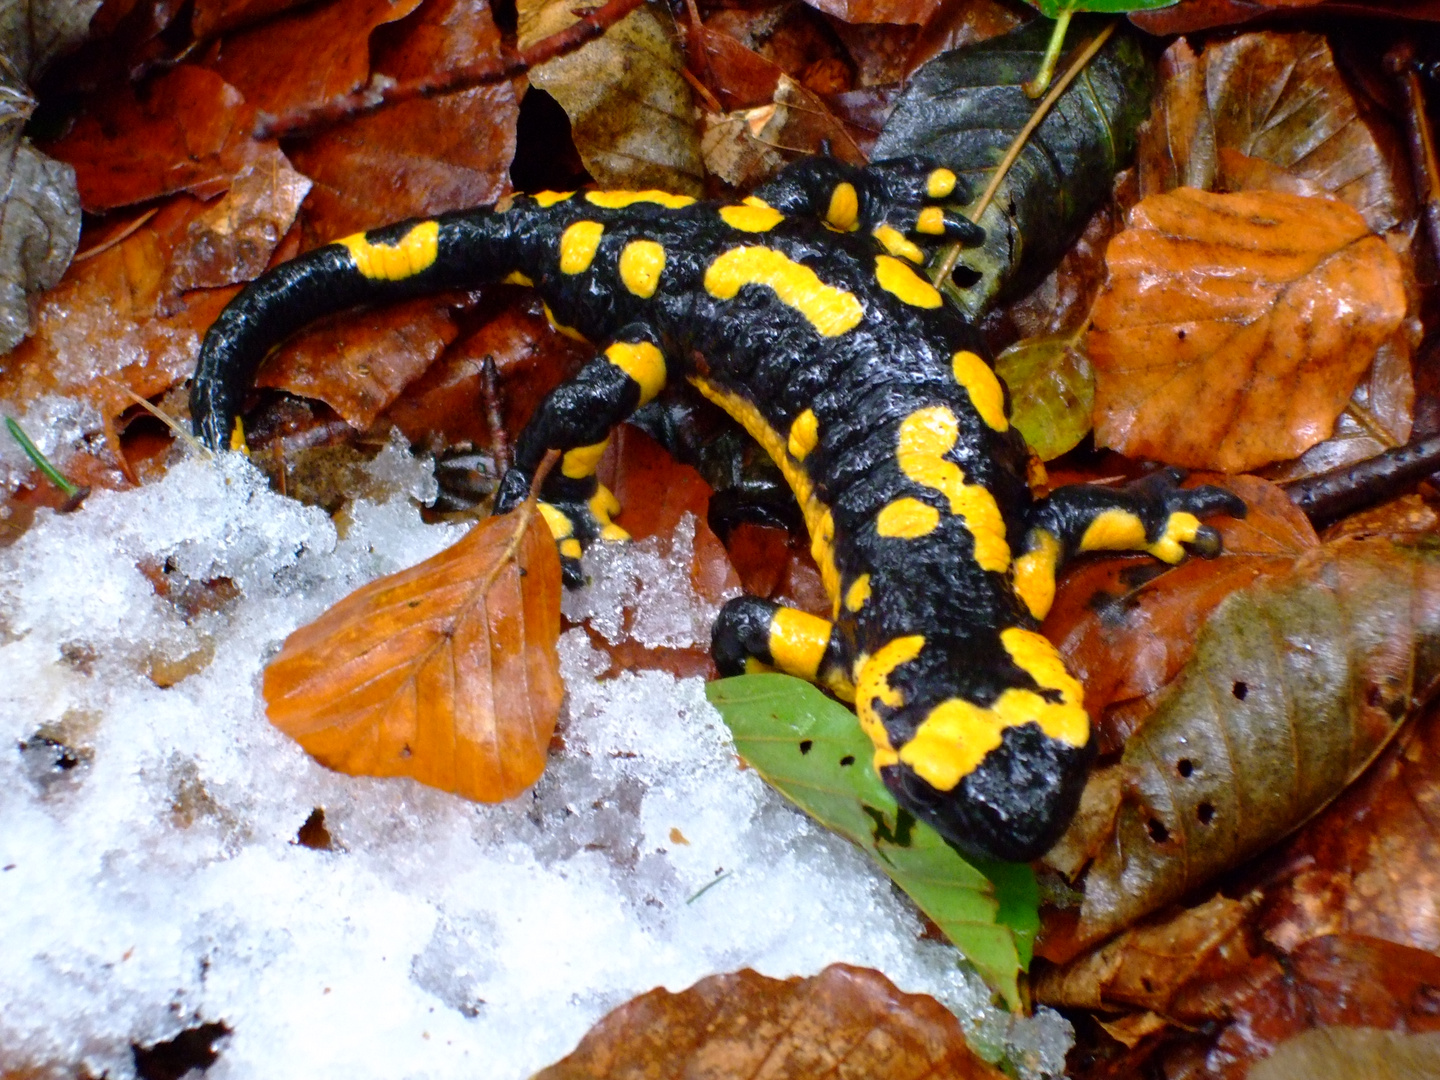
{"type": "Point", "coordinates": [643, 362]}
{"type": "Point", "coordinates": [798, 641]}
{"type": "Point", "coordinates": [931, 221]}
{"type": "Point", "coordinates": [940, 183]}
{"type": "Point", "coordinates": [818, 520]}
{"type": "Point", "coordinates": [603, 505]}
{"type": "Point", "coordinates": [237, 438]}
{"type": "Point", "coordinates": [1180, 527]}
{"type": "Point", "coordinates": [408, 256]}
{"type": "Point", "coordinates": [804, 434]}
{"type": "Point", "coordinates": [515, 277]}
{"type": "Point", "coordinates": [857, 593]}
{"type": "Point", "coordinates": [561, 328]}
{"type": "Point", "coordinates": [757, 667]}
{"type": "Point", "coordinates": [641, 264]}
{"type": "Point", "coordinates": [618, 200]}
{"type": "Point", "coordinates": [557, 521]}
{"type": "Point", "coordinates": [577, 246]}
{"type": "Point", "coordinates": [548, 199]}
{"type": "Point", "coordinates": [755, 200]}
{"type": "Point", "coordinates": [1035, 572]}
{"type": "Point", "coordinates": [580, 462]}
{"type": "Point", "coordinates": [926, 436]}
{"type": "Point", "coordinates": [748, 218]}
{"type": "Point", "coordinates": [899, 280]}
{"type": "Point", "coordinates": [829, 310]}
{"type": "Point", "coordinates": [906, 519]}
{"type": "Point", "coordinates": [844, 210]}
{"type": "Point", "coordinates": [986, 393]}
{"type": "Point", "coordinates": [894, 242]}
{"type": "Point", "coordinates": [954, 738]}
{"type": "Point", "coordinates": [571, 548]}
{"type": "Point", "coordinates": [872, 686]}
{"type": "Point", "coordinates": [1114, 530]}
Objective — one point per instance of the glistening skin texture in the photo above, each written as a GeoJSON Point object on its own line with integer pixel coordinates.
{"type": "Point", "coordinates": [802, 313]}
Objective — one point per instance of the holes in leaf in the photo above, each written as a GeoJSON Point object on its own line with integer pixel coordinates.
{"type": "Point", "coordinates": [1239, 690]}
{"type": "Point", "coordinates": [1185, 767]}
{"type": "Point", "coordinates": [805, 745]}
{"type": "Point", "coordinates": [1156, 828]}
{"type": "Point", "coordinates": [847, 760]}
{"type": "Point", "coordinates": [1205, 812]}
{"type": "Point", "coordinates": [965, 276]}
{"type": "Point", "coordinates": [313, 834]}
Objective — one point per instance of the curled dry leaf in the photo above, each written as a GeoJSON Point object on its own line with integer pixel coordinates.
{"type": "Point", "coordinates": [1272, 111]}
{"type": "Point", "coordinates": [1149, 966]}
{"type": "Point", "coordinates": [630, 109]}
{"type": "Point", "coordinates": [846, 1021]}
{"type": "Point", "coordinates": [446, 672]}
{"type": "Point", "coordinates": [358, 363]}
{"type": "Point", "coordinates": [1296, 684]}
{"type": "Point", "coordinates": [1233, 328]}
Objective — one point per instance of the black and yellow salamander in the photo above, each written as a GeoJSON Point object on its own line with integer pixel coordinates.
{"type": "Point", "coordinates": [800, 312]}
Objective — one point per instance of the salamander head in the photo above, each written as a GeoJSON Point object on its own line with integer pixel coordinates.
{"type": "Point", "coordinates": [988, 745]}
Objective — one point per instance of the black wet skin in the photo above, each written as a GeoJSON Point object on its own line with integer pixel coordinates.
{"type": "Point", "coordinates": [860, 384]}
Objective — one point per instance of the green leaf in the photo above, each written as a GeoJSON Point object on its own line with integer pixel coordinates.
{"type": "Point", "coordinates": [1052, 391]}
{"type": "Point", "coordinates": [1051, 8]}
{"type": "Point", "coordinates": [811, 749]}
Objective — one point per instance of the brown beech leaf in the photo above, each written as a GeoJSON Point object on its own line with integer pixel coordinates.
{"type": "Point", "coordinates": [1233, 328]}
{"type": "Point", "coordinates": [211, 16]}
{"type": "Point", "coordinates": [1126, 626]}
{"type": "Point", "coordinates": [232, 241]}
{"type": "Point", "coordinates": [1335, 981]}
{"type": "Point", "coordinates": [358, 363]}
{"type": "Point", "coordinates": [439, 35]}
{"type": "Point", "coordinates": [1271, 111]}
{"type": "Point", "coordinates": [739, 77]}
{"type": "Point", "coordinates": [307, 57]}
{"type": "Point", "coordinates": [1296, 684]}
{"type": "Point", "coordinates": [1371, 862]}
{"type": "Point", "coordinates": [846, 1021]}
{"type": "Point", "coordinates": [879, 11]}
{"type": "Point", "coordinates": [1147, 966]}
{"type": "Point", "coordinates": [185, 130]}
{"type": "Point", "coordinates": [630, 108]}
{"type": "Point", "coordinates": [446, 672]}
{"type": "Point", "coordinates": [1346, 1053]}
{"type": "Point", "coordinates": [413, 159]}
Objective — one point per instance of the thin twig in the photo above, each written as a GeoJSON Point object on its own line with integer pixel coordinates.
{"type": "Point", "coordinates": [118, 238]}
{"type": "Point", "coordinates": [1083, 57]}
{"type": "Point", "coordinates": [707, 887]}
{"type": "Point", "coordinates": [169, 421]}
{"type": "Point", "coordinates": [73, 493]}
{"type": "Point", "coordinates": [494, 420]}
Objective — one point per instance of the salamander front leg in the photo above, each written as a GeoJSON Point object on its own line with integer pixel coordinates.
{"type": "Point", "coordinates": [1153, 514]}
{"type": "Point", "coordinates": [753, 635]}
{"type": "Point", "coordinates": [576, 418]}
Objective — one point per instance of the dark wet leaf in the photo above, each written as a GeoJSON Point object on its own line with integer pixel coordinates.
{"type": "Point", "coordinates": [1295, 685]}
{"type": "Point", "coordinates": [812, 750]}
{"type": "Point", "coordinates": [964, 108]}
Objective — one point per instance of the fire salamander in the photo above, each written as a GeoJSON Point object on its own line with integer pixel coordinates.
{"type": "Point", "coordinates": [800, 312]}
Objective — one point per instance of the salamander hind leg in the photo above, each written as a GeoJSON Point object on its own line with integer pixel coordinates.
{"type": "Point", "coordinates": [752, 635]}
{"type": "Point", "coordinates": [576, 418]}
{"type": "Point", "coordinates": [1153, 514]}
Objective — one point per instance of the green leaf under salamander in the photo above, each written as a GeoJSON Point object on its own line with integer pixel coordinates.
{"type": "Point", "coordinates": [799, 740]}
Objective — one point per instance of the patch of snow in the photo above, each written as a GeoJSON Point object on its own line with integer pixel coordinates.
{"type": "Point", "coordinates": [150, 877]}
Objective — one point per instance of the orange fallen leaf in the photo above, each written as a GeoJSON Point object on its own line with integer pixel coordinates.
{"type": "Point", "coordinates": [446, 672]}
{"type": "Point", "coordinates": [1233, 328]}
{"type": "Point", "coordinates": [846, 1021]}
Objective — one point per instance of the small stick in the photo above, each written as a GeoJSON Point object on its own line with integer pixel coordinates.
{"type": "Point", "coordinates": [523, 515]}
{"type": "Point", "coordinates": [1331, 495]}
{"type": "Point", "coordinates": [118, 238]}
{"type": "Point", "coordinates": [490, 394]}
{"type": "Point", "coordinates": [73, 494]}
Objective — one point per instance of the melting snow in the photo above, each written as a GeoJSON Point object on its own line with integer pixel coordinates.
{"type": "Point", "coordinates": [151, 876]}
